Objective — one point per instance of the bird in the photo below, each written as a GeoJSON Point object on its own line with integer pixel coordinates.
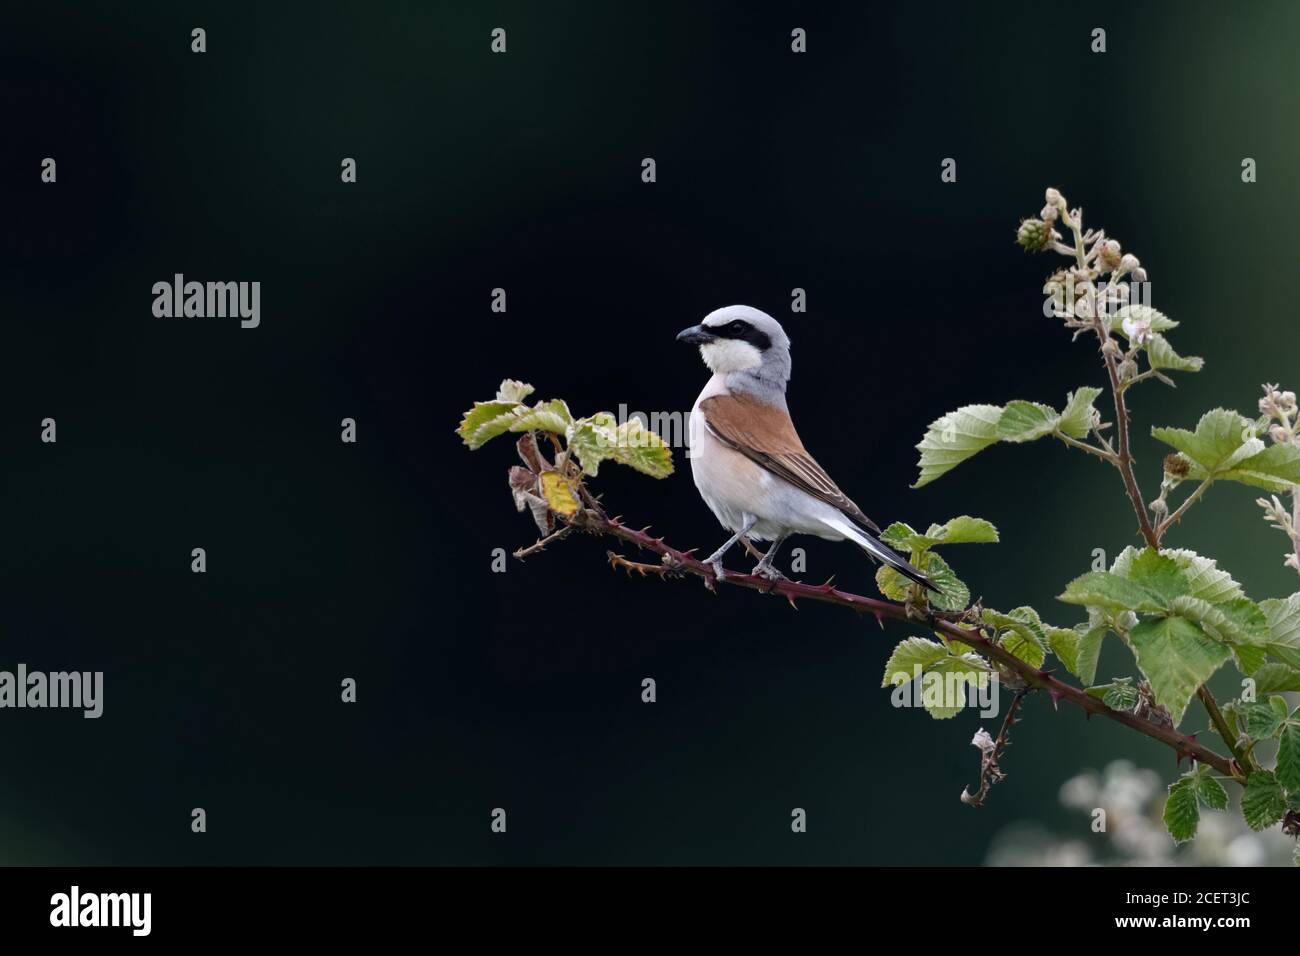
{"type": "Point", "coordinates": [747, 459]}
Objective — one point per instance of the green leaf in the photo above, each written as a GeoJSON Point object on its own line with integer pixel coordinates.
{"type": "Point", "coordinates": [1021, 632]}
{"type": "Point", "coordinates": [1222, 440]}
{"type": "Point", "coordinates": [1121, 694]}
{"type": "Point", "coordinates": [1262, 719]}
{"type": "Point", "coordinates": [1090, 639]}
{"type": "Point", "coordinates": [946, 700]}
{"type": "Point", "coordinates": [1208, 790]}
{"type": "Point", "coordinates": [1181, 813]}
{"type": "Point", "coordinates": [1283, 617]}
{"type": "Point", "coordinates": [1111, 592]}
{"type": "Point", "coordinates": [1263, 803]}
{"type": "Point", "coordinates": [1160, 574]}
{"type": "Point", "coordinates": [1177, 657]}
{"type": "Point", "coordinates": [1233, 622]}
{"type": "Point", "coordinates": [909, 654]}
{"type": "Point", "coordinates": [899, 537]}
{"type": "Point", "coordinates": [1159, 321]}
{"type": "Point", "coordinates": [1288, 755]}
{"type": "Point", "coordinates": [944, 675]}
{"type": "Point", "coordinates": [1276, 678]}
{"type": "Point", "coordinates": [963, 530]}
{"type": "Point", "coordinates": [1064, 642]}
{"type": "Point", "coordinates": [1025, 421]}
{"type": "Point", "coordinates": [960, 530]}
{"type": "Point", "coordinates": [1204, 578]}
{"type": "Point", "coordinates": [1161, 355]}
{"type": "Point", "coordinates": [485, 421]}
{"type": "Point", "coordinates": [1076, 420]}
{"type": "Point", "coordinates": [952, 594]}
{"type": "Point", "coordinates": [955, 437]}
{"type": "Point", "coordinates": [513, 391]}
{"type": "Point", "coordinates": [600, 437]}
{"type": "Point", "coordinates": [1276, 469]}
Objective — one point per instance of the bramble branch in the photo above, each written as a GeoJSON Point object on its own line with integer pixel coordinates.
{"type": "Point", "coordinates": [674, 562]}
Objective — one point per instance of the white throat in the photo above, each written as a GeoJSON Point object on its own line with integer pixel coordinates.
{"type": "Point", "coordinates": [724, 356]}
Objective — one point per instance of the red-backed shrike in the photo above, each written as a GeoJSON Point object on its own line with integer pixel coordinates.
{"type": "Point", "coordinates": [748, 462]}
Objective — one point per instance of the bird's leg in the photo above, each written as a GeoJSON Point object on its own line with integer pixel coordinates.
{"type": "Point", "coordinates": [714, 560]}
{"type": "Point", "coordinates": [764, 567]}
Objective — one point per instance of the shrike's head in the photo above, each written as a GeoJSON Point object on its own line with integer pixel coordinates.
{"type": "Point", "coordinates": [742, 343]}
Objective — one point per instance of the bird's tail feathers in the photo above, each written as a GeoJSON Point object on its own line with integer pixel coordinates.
{"type": "Point", "coordinates": [881, 551]}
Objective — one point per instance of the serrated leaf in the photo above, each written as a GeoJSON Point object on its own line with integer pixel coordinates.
{"type": "Point", "coordinates": [943, 688]}
{"type": "Point", "coordinates": [1025, 421]}
{"type": "Point", "coordinates": [1090, 639]}
{"type": "Point", "coordinates": [1161, 355]}
{"type": "Point", "coordinates": [1138, 313]}
{"type": "Point", "coordinates": [513, 391]}
{"type": "Point", "coordinates": [1064, 642]}
{"type": "Point", "coordinates": [1263, 802]}
{"type": "Point", "coordinates": [1276, 469]}
{"type": "Point", "coordinates": [1021, 632]}
{"type": "Point", "coordinates": [1283, 617]}
{"type": "Point", "coordinates": [1111, 592]}
{"type": "Point", "coordinates": [964, 529]}
{"type": "Point", "coordinates": [944, 675]}
{"type": "Point", "coordinates": [1276, 678]}
{"type": "Point", "coordinates": [559, 494]}
{"type": "Point", "coordinates": [899, 537]}
{"type": "Point", "coordinates": [1121, 694]}
{"type": "Point", "coordinates": [1181, 813]}
{"type": "Point", "coordinates": [1177, 657]}
{"type": "Point", "coordinates": [1222, 440]}
{"type": "Point", "coordinates": [1288, 755]}
{"type": "Point", "coordinates": [1076, 419]}
{"type": "Point", "coordinates": [955, 437]}
{"type": "Point", "coordinates": [1262, 721]}
{"type": "Point", "coordinates": [950, 593]}
{"type": "Point", "coordinates": [474, 427]}
{"type": "Point", "coordinates": [960, 530]}
{"type": "Point", "coordinates": [601, 437]}
{"type": "Point", "coordinates": [909, 654]}
{"type": "Point", "coordinates": [1159, 574]}
{"type": "Point", "coordinates": [1233, 622]}
{"type": "Point", "coordinates": [953, 595]}
{"type": "Point", "coordinates": [1208, 790]}
{"type": "Point", "coordinates": [1204, 578]}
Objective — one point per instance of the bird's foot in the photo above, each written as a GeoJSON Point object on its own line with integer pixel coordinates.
{"type": "Point", "coordinates": [715, 565]}
{"type": "Point", "coordinates": [768, 573]}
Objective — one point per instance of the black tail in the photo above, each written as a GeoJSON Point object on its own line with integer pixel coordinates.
{"type": "Point", "coordinates": [887, 555]}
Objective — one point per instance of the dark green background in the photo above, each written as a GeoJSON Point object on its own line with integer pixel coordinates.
{"type": "Point", "coordinates": [372, 560]}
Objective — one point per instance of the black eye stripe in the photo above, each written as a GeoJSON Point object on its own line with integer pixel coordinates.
{"type": "Point", "coordinates": [742, 331]}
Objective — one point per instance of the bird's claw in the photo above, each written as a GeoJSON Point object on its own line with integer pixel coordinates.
{"type": "Point", "coordinates": [768, 573]}
{"type": "Point", "coordinates": [719, 573]}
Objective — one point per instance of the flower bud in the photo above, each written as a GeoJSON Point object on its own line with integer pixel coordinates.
{"type": "Point", "coordinates": [1279, 435]}
{"type": "Point", "coordinates": [1053, 197]}
{"type": "Point", "coordinates": [1049, 214]}
{"type": "Point", "coordinates": [1034, 235]}
{"type": "Point", "coordinates": [1139, 274]}
{"type": "Point", "coordinates": [1108, 257]}
{"type": "Point", "coordinates": [1287, 402]}
{"type": "Point", "coordinates": [1129, 263]}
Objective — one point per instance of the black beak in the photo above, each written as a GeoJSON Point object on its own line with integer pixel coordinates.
{"type": "Point", "coordinates": [695, 335]}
